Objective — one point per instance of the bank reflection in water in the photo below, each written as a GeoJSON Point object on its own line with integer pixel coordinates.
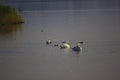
{"type": "Point", "coordinates": [9, 31]}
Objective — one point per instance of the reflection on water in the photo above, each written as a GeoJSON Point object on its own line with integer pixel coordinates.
{"type": "Point", "coordinates": [8, 31]}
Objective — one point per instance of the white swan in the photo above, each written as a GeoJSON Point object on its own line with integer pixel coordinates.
{"type": "Point", "coordinates": [77, 48]}
{"type": "Point", "coordinates": [65, 44]}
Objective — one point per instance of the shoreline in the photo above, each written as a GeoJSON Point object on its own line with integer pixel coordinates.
{"type": "Point", "coordinates": [11, 23]}
{"type": "Point", "coordinates": [9, 16]}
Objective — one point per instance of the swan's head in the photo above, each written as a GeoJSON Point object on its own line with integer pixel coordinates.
{"type": "Point", "coordinates": [49, 40]}
{"type": "Point", "coordinates": [78, 44]}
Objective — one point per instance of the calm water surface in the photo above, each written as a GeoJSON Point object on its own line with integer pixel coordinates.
{"type": "Point", "coordinates": [25, 56]}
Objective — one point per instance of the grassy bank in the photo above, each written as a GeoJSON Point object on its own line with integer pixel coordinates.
{"type": "Point", "coordinates": [8, 15]}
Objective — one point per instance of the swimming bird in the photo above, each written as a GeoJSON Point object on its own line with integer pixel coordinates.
{"type": "Point", "coordinates": [56, 45]}
{"type": "Point", "coordinates": [48, 42]}
{"type": "Point", "coordinates": [77, 48]}
{"type": "Point", "coordinates": [65, 45]}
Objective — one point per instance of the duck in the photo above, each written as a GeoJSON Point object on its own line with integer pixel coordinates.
{"type": "Point", "coordinates": [65, 45]}
{"type": "Point", "coordinates": [56, 45]}
{"type": "Point", "coordinates": [77, 48]}
{"type": "Point", "coordinates": [48, 42]}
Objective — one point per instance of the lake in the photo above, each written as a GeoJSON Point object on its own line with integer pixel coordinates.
{"type": "Point", "coordinates": [24, 54]}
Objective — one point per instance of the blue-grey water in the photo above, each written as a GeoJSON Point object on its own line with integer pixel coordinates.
{"type": "Point", "coordinates": [24, 54]}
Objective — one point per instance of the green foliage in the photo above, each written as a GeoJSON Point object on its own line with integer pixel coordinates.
{"type": "Point", "coordinates": [8, 15]}
{"type": "Point", "coordinates": [6, 10]}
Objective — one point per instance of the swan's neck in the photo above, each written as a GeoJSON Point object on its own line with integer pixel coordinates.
{"type": "Point", "coordinates": [78, 44]}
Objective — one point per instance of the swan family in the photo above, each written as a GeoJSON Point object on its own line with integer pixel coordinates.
{"type": "Point", "coordinates": [66, 45]}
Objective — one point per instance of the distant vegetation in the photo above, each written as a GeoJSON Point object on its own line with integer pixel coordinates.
{"type": "Point", "coordinates": [8, 15]}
